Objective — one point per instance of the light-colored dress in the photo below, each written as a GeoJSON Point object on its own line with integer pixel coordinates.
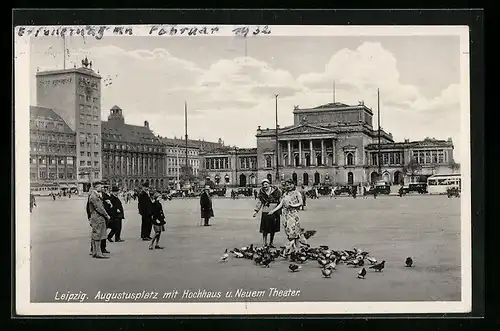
{"type": "Point", "coordinates": [290, 215]}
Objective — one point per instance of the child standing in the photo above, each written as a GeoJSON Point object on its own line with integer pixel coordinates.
{"type": "Point", "coordinates": [158, 220]}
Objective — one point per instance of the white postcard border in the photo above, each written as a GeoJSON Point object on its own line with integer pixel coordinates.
{"type": "Point", "coordinates": [22, 188]}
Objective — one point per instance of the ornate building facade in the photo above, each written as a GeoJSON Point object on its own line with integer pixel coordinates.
{"type": "Point", "coordinates": [336, 144]}
{"type": "Point", "coordinates": [326, 145]}
{"type": "Point", "coordinates": [132, 154]}
{"type": "Point", "coordinates": [75, 95]}
{"type": "Point", "coordinates": [176, 159]}
{"type": "Point", "coordinates": [427, 157]}
{"type": "Point", "coordinates": [52, 151]}
{"type": "Point", "coordinates": [231, 166]}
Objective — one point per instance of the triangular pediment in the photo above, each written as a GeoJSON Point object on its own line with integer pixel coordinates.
{"type": "Point", "coordinates": [306, 128]}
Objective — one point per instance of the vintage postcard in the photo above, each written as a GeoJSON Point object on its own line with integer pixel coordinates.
{"type": "Point", "coordinates": [205, 170]}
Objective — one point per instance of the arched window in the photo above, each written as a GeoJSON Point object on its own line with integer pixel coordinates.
{"type": "Point", "coordinates": [350, 158]}
{"type": "Point", "coordinates": [269, 161]}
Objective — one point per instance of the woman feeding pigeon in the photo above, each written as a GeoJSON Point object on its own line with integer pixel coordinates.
{"type": "Point", "coordinates": [268, 198]}
{"type": "Point", "coordinates": [290, 205]}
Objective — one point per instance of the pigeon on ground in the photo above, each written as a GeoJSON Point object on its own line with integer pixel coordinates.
{"type": "Point", "coordinates": [362, 273]}
{"type": "Point", "coordinates": [224, 256]}
{"type": "Point", "coordinates": [409, 262]}
{"type": "Point", "coordinates": [327, 272]}
{"type": "Point", "coordinates": [378, 267]}
{"type": "Point", "coordinates": [372, 260]}
{"type": "Point", "coordinates": [293, 267]}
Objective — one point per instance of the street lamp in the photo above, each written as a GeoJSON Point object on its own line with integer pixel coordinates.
{"type": "Point", "coordinates": [236, 166]}
{"type": "Point", "coordinates": [277, 142]}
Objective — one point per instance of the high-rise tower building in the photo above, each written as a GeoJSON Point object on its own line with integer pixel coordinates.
{"type": "Point", "coordinates": [75, 95]}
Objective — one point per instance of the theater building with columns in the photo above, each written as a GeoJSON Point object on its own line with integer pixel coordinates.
{"type": "Point", "coordinates": [325, 145]}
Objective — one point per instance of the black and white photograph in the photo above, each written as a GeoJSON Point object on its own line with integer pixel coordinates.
{"type": "Point", "coordinates": [242, 169]}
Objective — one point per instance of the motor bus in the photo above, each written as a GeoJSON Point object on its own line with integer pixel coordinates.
{"type": "Point", "coordinates": [439, 184]}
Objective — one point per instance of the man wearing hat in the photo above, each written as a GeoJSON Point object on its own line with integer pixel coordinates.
{"type": "Point", "coordinates": [97, 217]}
{"type": "Point", "coordinates": [145, 210]}
{"type": "Point", "coordinates": [117, 215]}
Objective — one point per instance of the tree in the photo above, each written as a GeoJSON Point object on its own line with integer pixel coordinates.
{"type": "Point", "coordinates": [412, 168]}
{"type": "Point", "coordinates": [454, 166]}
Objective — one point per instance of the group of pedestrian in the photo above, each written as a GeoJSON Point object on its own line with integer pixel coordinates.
{"type": "Point", "coordinates": [104, 211]}
{"type": "Point", "coordinates": [152, 216]}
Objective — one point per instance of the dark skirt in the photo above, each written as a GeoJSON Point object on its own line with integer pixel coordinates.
{"type": "Point", "coordinates": [269, 223]}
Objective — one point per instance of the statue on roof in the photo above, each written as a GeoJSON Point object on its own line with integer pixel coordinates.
{"type": "Point", "coordinates": [85, 62]}
{"type": "Point", "coordinates": [296, 107]}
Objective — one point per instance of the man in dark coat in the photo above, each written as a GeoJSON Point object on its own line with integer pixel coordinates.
{"type": "Point", "coordinates": [206, 205]}
{"type": "Point", "coordinates": [117, 215]}
{"type": "Point", "coordinates": [145, 210]}
{"type": "Point", "coordinates": [108, 206]}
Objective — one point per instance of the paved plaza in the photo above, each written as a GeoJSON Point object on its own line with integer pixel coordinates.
{"type": "Point", "coordinates": [427, 228]}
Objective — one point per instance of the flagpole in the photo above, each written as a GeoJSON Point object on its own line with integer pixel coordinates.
{"type": "Point", "coordinates": [186, 131]}
{"type": "Point", "coordinates": [64, 52]}
{"type": "Point", "coordinates": [333, 91]}
{"type": "Point", "coordinates": [378, 120]}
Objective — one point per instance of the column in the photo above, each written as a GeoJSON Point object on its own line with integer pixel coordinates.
{"type": "Point", "coordinates": [66, 167]}
{"type": "Point", "coordinates": [334, 157]}
{"type": "Point", "coordinates": [311, 156]}
{"type": "Point", "coordinates": [289, 153]}
{"type": "Point", "coordinates": [300, 153]}
{"type": "Point", "coordinates": [322, 152]}
{"type": "Point", "coordinates": [57, 168]}
{"type": "Point", "coordinates": [38, 166]}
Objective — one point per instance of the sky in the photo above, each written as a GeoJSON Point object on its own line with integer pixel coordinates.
{"type": "Point", "coordinates": [229, 87]}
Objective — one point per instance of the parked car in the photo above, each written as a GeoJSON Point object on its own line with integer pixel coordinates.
{"type": "Point", "coordinates": [343, 190]}
{"type": "Point", "coordinates": [453, 191]}
{"type": "Point", "coordinates": [417, 187]}
{"type": "Point", "coordinates": [219, 191]}
{"type": "Point", "coordinates": [245, 191]}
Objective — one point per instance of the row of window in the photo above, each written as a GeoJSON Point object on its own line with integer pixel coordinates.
{"type": "Point", "coordinates": [45, 124]}
{"type": "Point", "coordinates": [51, 137]}
{"type": "Point", "coordinates": [217, 163]}
{"type": "Point", "coordinates": [89, 108]}
{"type": "Point", "coordinates": [89, 154]}
{"type": "Point", "coordinates": [88, 145]}
{"type": "Point", "coordinates": [52, 148]}
{"type": "Point", "coordinates": [135, 148]}
{"type": "Point", "coordinates": [88, 126]}
{"type": "Point", "coordinates": [48, 160]}
{"type": "Point", "coordinates": [437, 156]}
{"type": "Point", "coordinates": [183, 161]}
{"type": "Point", "coordinates": [89, 163]}
{"type": "Point", "coordinates": [387, 158]}
{"type": "Point", "coordinates": [89, 117]}
{"type": "Point", "coordinates": [182, 151]}
{"type": "Point", "coordinates": [52, 175]}
{"type": "Point", "coordinates": [88, 98]}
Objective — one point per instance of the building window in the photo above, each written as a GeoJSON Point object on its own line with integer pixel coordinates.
{"type": "Point", "coordinates": [82, 125]}
{"type": "Point", "coordinates": [269, 161]}
{"type": "Point", "coordinates": [82, 163]}
{"type": "Point", "coordinates": [69, 160]}
{"type": "Point", "coordinates": [82, 153]}
{"type": "Point", "coordinates": [89, 108]}
{"type": "Point", "coordinates": [82, 107]}
{"type": "Point", "coordinates": [96, 163]}
{"type": "Point", "coordinates": [350, 158]}
{"type": "Point", "coordinates": [89, 163]}
{"type": "Point", "coordinates": [61, 175]}
{"type": "Point", "coordinates": [82, 117]}
{"type": "Point", "coordinates": [397, 158]}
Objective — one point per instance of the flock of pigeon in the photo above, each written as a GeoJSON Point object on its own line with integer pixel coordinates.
{"type": "Point", "coordinates": [327, 259]}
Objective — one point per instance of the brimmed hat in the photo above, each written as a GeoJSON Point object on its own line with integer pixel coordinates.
{"type": "Point", "coordinates": [97, 183]}
{"type": "Point", "coordinates": [265, 180]}
{"type": "Point", "coordinates": [115, 189]}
